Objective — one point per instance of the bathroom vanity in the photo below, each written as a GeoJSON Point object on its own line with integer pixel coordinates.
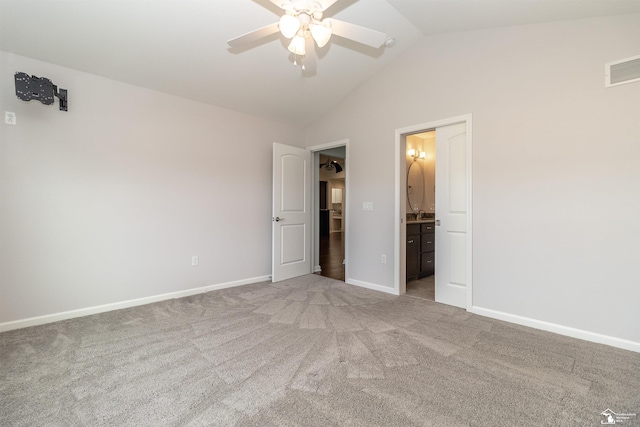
{"type": "Point", "coordinates": [420, 248]}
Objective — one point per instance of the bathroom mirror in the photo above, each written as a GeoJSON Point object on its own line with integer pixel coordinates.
{"type": "Point", "coordinates": [415, 186]}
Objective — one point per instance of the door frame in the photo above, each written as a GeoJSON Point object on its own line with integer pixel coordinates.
{"type": "Point", "coordinates": [315, 217]}
{"type": "Point", "coordinates": [400, 232]}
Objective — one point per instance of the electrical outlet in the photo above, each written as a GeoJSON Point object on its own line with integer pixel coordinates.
{"type": "Point", "coordinates": [194, 261]}
{"type": "Point", "coordinates": [383, 259]}
{"type": "Point", "coordinates": [10, 118]}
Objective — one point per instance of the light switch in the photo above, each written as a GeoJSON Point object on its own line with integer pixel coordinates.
{"type": "Point", "coordinates": [367, 206]}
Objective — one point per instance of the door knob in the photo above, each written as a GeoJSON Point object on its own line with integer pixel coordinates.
{"type": "Point", "coordinates": [278, 219]}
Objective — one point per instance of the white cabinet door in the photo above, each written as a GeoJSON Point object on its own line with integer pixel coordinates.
{"type": "Point", "coordinates": [451, 215]}
{"type": "Point", "coordinates": [291, 238]}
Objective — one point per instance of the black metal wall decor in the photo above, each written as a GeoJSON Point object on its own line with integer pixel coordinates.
{"type": "Point", "coordinates": [39, 88]}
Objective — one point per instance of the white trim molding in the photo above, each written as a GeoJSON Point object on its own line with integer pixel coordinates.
{"type": "Point", "coordinates": [56, 317]}
{"type": "Point", "coordinates": [558, 329]}
{"type": "Point", "coordinates": [371, 286]}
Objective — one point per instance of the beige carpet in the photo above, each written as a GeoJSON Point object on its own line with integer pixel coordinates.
{"type": "Point", "coordinates": [307, 352]}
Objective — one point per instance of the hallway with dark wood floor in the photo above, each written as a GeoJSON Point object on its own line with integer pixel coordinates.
{"type": "Point", "coordinates": [332, 256]}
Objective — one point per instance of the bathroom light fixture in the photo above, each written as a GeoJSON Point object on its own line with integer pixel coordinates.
{"type": "Point", "coordinates": [416, 154]}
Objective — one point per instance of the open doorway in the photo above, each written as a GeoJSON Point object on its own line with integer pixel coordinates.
{"type": "Point", "coordinates": [331, 212]}
{"type": "Point", "coordinates": [451, 224]}
{"type": "Point", "coordinates": [296, 210]}
{"type": "Point", "coordinates": [420, 206]}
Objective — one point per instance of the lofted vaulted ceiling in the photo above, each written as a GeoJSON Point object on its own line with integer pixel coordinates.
{"type": "Point", "coordinates": [179, 46]}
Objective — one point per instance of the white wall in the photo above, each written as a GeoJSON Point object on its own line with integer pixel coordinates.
{"type": "Point", "coordinates": [109, 201]}
{"type": "Point", "coordinates": [556, 166]}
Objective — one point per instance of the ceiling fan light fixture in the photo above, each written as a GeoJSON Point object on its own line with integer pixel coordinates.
{"type": "Point", "coordinates": [321, 33]}
{"type": "Point", "coordinates": [289, 25]}
{"type": "Point", "coordinates": [302, 24]}
{"type": "Point", "coordinates": [297, 46]}
{"type": "Point", "coordinates": [331, 165]}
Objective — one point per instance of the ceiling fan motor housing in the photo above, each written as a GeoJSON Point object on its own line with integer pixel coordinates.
{"type": "Point", "coordinates": [302, 5]}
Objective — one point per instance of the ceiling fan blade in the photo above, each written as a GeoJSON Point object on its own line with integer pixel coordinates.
{"type": "Point", "coordinates": [282, 4]}
{"type": "Point", "coordinates": [254, 35]}
{"type": "Point", "coordinates": [326, 4]}
{"type": "Point", "coordinates": [309, 60]}
{"type": "Point", "coordinates": [357, 33]}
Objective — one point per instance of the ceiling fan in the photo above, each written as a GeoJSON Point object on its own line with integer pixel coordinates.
{"type": "Point", "coordinates": [331, 165]}
{"type": "Point", "coordinates": [302, 23]}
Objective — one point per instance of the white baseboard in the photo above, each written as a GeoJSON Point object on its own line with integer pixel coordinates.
{"type": "Point", "coordinates": [236, 283]}
{"type": "Point", "coordinates": [512, 318]}
{"type": "Point", "coordinates": [317, 269]}
{"type": "Point", "coordinates": [371, 286]}
{"type": "Point", "coordinates": [56, 317]}
{"type": "Point", "coordinates": [558, 329]}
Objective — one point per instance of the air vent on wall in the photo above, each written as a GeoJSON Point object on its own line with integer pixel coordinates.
{"type": "Point", "coordinates": [623, 71]}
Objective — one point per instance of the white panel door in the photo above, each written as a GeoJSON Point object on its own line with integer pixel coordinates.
{"type": "Point", "coordinates": [451, 215]}
{"type": "Point", "coordinates": [291, 237]}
